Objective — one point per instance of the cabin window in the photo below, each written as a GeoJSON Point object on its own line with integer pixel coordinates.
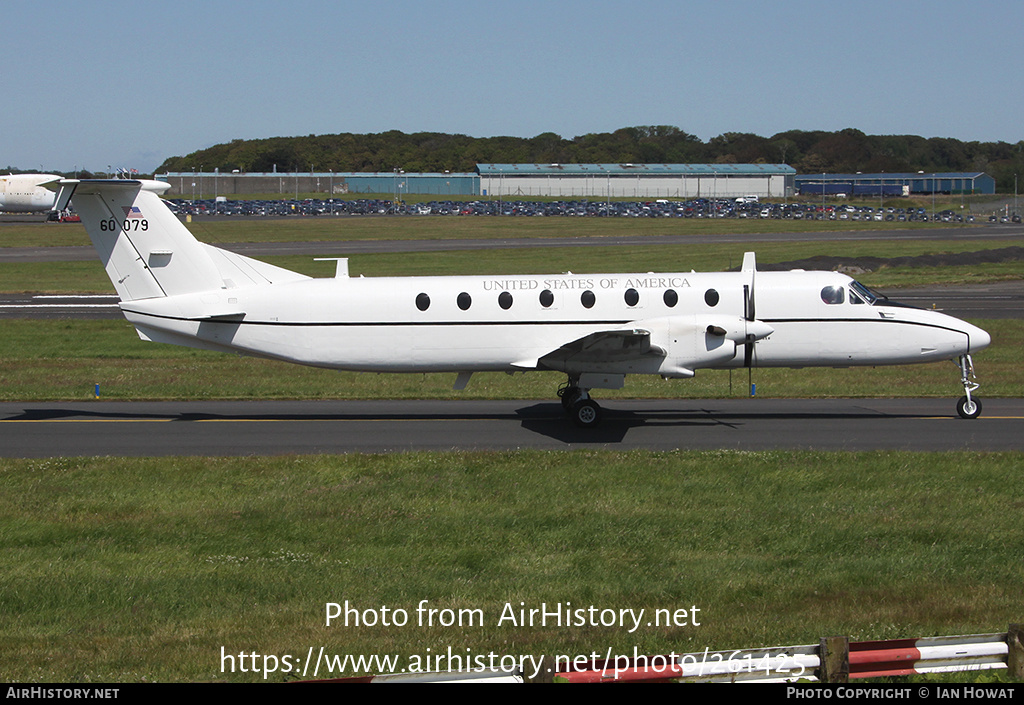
{"type": "Point", "coordinates": [833, 294]}
{"type": "Point", "coordinates": [505, 300]}
{"type": "Point", "coordinates": [464, 301]}
{"type": "Point", "coordinates": [711, 297]}
{"type": "Point", "coordinates": [632, 297]}
{"type": "Point", "coordinates": [546, 298]}
{"type": "Point", "coordinates": [671, 298]}
{"type": "Point", "coordinates": [588, 299]}
{"type": "Point", "coordinates": [422, 302]}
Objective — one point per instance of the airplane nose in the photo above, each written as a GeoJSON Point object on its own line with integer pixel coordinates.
{"type": "Point", "coordinates": [978, 339]}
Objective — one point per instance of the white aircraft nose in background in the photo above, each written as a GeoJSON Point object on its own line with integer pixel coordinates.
{"type": "Point", "coordinates": [28, 193]}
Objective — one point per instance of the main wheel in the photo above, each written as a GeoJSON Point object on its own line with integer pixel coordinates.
{"type": "Point", "coordinates": [968, 408]}
{"type": "Point", "coordinates": [586, 413]}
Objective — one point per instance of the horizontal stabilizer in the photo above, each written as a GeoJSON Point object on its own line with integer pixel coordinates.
{"type": "Point", "coordinates": [51, 184]}
{"type": "Point", "coordinates": [189, 307]}
{"type": "Point", "coordinates": [231, 316]}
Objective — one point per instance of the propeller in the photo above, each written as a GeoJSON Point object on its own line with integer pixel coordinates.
{"type": "Point", "coordinates": [749, 310]}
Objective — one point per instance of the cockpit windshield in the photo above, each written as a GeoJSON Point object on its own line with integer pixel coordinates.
{"type": "Point", "coordinates": [865, 293]}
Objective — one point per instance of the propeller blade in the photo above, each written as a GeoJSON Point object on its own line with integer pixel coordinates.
{"type": "Point", "coordinates": [749, 267]}
{"type": "Point", "coordinates": [749, 309]}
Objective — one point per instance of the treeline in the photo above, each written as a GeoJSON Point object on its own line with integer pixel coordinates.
{"type": "Point", "coordinates": [810, 152]}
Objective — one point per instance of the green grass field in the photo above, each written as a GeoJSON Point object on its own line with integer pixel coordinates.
{"type": "Point", "coordinates": [88, 276]}
{"type": "Point", "coordinates": [136, 570]}
{"type": "Point", "coordinates": [143, 570]}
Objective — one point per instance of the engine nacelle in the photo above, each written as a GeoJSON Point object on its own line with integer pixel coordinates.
{"type": "Point", "coordinates": [701, 341]}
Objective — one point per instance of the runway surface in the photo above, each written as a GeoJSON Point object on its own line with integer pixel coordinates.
{"type": "Point", "coordinates": [296, 427]}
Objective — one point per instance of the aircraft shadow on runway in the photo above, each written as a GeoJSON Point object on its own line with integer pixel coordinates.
{"type": "Point", "coordinates": [615, 425]}
{"type": "Point", "coordinates": [544, 418]}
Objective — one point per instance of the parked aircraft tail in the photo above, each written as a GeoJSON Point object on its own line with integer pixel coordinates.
{"type": "Point", "coordinates": [147, 251]}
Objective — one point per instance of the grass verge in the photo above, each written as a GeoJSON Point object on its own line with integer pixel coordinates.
{"type": "Point", "coordinates": [142, 570]}
{"type": "Point", "coordinates": [89, 277]}
{"type": "Point", "coordinates": [346, 228]}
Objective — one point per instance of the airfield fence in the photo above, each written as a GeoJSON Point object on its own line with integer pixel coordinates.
{"type": "Point", "coordinates": [832, 660]}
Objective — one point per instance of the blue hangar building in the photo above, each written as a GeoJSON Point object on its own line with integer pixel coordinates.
{"type": "Point", "coordinates": [915, 184]}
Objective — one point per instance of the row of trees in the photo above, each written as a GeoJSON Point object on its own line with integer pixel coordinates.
{"type": "Point", "coordinates": [809, 152]}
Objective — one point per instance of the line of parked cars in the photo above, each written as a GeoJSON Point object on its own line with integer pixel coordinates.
{"type": "Point", "coordinates": [744, 207]}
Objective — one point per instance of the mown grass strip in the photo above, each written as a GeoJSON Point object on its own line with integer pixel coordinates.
{"type": "Point", "coordinates": [124, 569]}
{"type": "Point", "coordinates": [89, 277]}
{"type": "Point", "coordinates": [219, 230]}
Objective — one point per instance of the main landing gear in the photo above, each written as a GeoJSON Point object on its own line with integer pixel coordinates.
{"type": "Point", "coordinates": [968, 407]}
{"type": "Point", "coordinates": [578, 406]}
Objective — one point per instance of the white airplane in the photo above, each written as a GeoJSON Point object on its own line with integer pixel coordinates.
{"type": "Point", "coordinates": [28, 193]}
{"type": "Point", "coordinates": [596, 328]}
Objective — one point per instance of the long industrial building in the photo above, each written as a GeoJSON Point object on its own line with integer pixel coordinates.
{"type": "Point", "coordinates": [907, 184]}
{"type": "Point", "coordinates": [509, 181]}
{"type": "Point", "coordinates": [636, 180]}
{"type": "Point", "coordinates": [582, 181]}
{"type": "Point", "coordinates": [196, 185]}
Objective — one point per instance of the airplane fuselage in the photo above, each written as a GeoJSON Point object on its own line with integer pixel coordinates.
{"type": "Point", "coordinates": [476, 323]}
{"type": "Point", "coordinates": [25, 193]}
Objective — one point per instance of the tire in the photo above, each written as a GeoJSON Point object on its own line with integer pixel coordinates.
{"type": "Point", "coordinates": [586, 413]}
{"type": "Point", "coordinates": [968, 409]}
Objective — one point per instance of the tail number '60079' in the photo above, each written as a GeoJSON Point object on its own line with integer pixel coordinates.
{"type": "Point", "coordinates": [128, 225]}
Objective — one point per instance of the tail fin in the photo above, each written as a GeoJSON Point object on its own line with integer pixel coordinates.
{"type": "Point", "coordinates": [147, 251]}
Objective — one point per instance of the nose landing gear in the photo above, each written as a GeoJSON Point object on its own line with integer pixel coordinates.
{"type": "Point", "coordinates": [968, 407]}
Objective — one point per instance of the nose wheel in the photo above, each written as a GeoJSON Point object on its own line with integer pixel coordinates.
{"type": "Point", "coordinates": [969, 407]}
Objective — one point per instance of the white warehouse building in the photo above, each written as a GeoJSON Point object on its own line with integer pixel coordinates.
{"type": "Point", "coordinates": [636, 180]}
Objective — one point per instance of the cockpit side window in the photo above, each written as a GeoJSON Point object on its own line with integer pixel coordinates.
{"type": "Point", "coordinates": [854, 299]}
{"type": "Point", "coordinates": [865, 293]}
{"type": "Point", "coordinates": [833, 294]}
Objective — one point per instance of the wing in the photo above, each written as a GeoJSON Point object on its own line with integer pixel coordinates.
{"type": "Point", "coordinates": [602, 348]}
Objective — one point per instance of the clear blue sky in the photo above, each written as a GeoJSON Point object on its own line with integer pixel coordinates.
{"type": "Point", "coordinates": [88, 84]}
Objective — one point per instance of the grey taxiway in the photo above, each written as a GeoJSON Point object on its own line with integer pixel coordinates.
{"type": "Point", "coordinates": [305, 427]}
